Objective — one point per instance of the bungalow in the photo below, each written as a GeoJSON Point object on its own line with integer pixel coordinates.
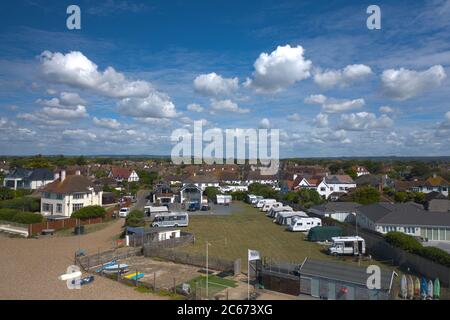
{"type": "Point", "coordinates": [123, 174]}
{"type": "Point", "coordinates": [256, 177]}
{"type": "Point", "coordinates": [340, 211]}
{"type": "Point", "coordinates": [163, 194]}
{"type": "Point", "coordinates": [378, 182]}
{"type": "Point", "coordinates": [404, 217]}
{"type": "Point", "coordinates": [68, 194]}
{"type": "Point", "coordinates": [31, 179]}
{"type": "Point", "coordinates": [202, 181]}
{"type": "Point", "coordinates": [360, 171]}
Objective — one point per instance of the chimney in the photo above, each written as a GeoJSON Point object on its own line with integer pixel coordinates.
{"type": "Point", "coordinates": [63, 175]}
{"type": "Point", "coordinates": [56, 176]}
{"type": "Point", "coordinates": [78, 173]}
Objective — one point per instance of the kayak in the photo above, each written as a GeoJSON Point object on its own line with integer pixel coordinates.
{"type": "Point", "coordinates": [108, 264]}
{"type": "Point", "coordinates": [423, 288]}
{"type": "Point", "coordinates": [83, 281]}
{"type": "Point", "coordinates": [134, 276]}
{"type": "Point", "coordinates": [116, 268]}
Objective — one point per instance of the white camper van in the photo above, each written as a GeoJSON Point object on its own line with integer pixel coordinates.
{"type": "Point", "coordinates": [304, 224]}
{"type": "Point", "coordinates": [262, 202]}
{"type": "Point", "coordinates": [266, 207]}
{"type": "Point", "coordinates": [347, 246]}
{"type": "Point", "coordinates": [285, 218]}
{"type": "Point", "coordinates": [174, 219]}
{"type": "Point", "coordinates": [273, 211]}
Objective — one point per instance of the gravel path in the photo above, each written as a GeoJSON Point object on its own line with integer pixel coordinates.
{"type": "Point", "coordinates": [29, 268]}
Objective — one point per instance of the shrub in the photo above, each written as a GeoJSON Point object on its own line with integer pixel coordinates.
{"type": "Point", "coordinates": [13, 215]}
{"type": "Point", "coordinates": [435, 254]}
{"type": "Point", "coordinates": [211, 193]}
{"type": "Point", "coordinates": [29, 204]}
{"type": "Point", "coordinates": [6, 193]}
{"type": "Point", "coordinates": [366, 195]}
{"type": "Point", "coordinates": [403, 241]}
{"type": "Point", "coordinates": [135, 219]}
{"type": "Point", "coordinates": [239, 195]}
{"type": "Point", "coordinates": [89, 212]}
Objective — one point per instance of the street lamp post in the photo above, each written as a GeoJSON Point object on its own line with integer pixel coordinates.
{"type": "Point", "coordinates": [207, 271]}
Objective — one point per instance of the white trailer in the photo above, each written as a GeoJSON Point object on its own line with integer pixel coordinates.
{"type": "Point", "coordinates": [304, 224]}
{"type": "Point", "coordinates": [273, 211]}
{"type": "Point", "coordinates": [148, 210]}
{"type": "Point", "coordinates": [266, 207]}
{"type": "Point", "coordinates": [285, 218]}
{"type": "Point", "coordinates": [347, 246]}
{"type": "Point", "coordinates": [223, 199]}
{"type": "Point", "coordinates": [262, 202]}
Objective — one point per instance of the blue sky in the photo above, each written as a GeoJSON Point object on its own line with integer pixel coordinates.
{"type": "Point", "coordinates": [137, 70]}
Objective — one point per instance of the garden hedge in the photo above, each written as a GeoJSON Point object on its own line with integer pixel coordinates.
{"type": "Point", "coordinates": [12, 215]}
{"type": "Point", "coordinates": [89, 212]}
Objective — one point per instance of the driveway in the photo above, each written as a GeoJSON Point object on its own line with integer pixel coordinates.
{"type": "Point", "coordinates": [141, 200]}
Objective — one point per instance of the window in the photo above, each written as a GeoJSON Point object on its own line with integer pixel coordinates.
{"type": "Point", "coordinates": [46, 195]}
{"type": "Point", "coordinates": [46, 207]}
{"type": "Point", "coordinates": [78, 196]}
{"type": "Point", "coordinates": [58, 208]}
{"type": "Point", "coordinates": [76, 206]}
{"type": "Point", "coordinates": [59, 196]}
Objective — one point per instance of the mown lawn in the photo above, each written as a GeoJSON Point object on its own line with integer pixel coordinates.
{"type": "Point", "coordinates": [248, 228]}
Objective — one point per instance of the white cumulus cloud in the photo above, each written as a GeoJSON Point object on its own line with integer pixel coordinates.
{"type": "Point", "coordinates": [402, 84]}
{"type": "Point", "coordinates": [108, 123]}
{"type": "Point", "coordinates": [212, 84]}
{"type": "Point", "coordinates": [156, 105]}
{"type": "Point", "coordinates": [294, 117]}
{"type": "Point", "coordinates": [279, 69]}
{"type": "Point", "coordinates": [350, 74]}
{"type": "Point", "coordinates": [227, 105]}
{"type": "Point", "coordinates": [364, 120]}
{"type": "Point", "coordinates": [195, 107]}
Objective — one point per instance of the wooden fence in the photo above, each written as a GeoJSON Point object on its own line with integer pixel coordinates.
{"type": "Point", "coordinates": [36, 228]}
{"type": "Point", "coordinates": [95, 260]}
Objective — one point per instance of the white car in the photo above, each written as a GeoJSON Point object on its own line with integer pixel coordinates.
{"type": "Point", "coordinates": [123, 212]}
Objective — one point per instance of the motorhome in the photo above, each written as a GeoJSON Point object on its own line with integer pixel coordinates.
{"type": "Point", "coordinates": [266, 207]}
{"type": "Point", "coordinates": [273, 211]}
{"type": "Point", "coordinates": [174, 219]}
{"type": "Point", "coordinates": [304, 224]}
{"type": "Point", "coordinates": [347, 246]}
{"type": "Point", "coordinates": [285, 218]}
{"type": "Point", "coordinates": [262, 202]}
{"type": "Point", "coordinates": [148, 210]}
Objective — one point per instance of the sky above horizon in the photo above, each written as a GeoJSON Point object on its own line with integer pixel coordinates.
{"type": "Point", "coordinates": [138, 70]}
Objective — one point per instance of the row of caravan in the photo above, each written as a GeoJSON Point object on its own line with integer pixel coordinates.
{"type": "Point", "coordinates": [284, 215]}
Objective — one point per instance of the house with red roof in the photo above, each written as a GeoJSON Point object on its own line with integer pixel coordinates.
{"type": "Point", "coordinates": [123, 174]}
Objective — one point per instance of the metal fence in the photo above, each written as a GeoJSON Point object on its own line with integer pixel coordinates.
{"type": "Point", "coordinates": [139, 240]}
{"type": "Point", "coordinates": [95, 260]}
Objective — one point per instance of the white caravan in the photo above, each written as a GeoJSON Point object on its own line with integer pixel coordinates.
{"type": "Point", "coordinates": [223, 199]}
{"type": "Point", "coordinates": [272, 212]}
{"type": "Point", "coordinates": [347, 246]}
{"type": "Point", "coordinates": [285, 218]}
{"type": "Point", "coordinates": [266, 207]}
{"type": "Point", "coordinates": [304, 224]}
{"type": "Point", "coordinates": [262, 202]}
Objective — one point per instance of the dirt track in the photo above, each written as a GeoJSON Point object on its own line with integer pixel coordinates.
{"type": "Point", "coordinates": [29, 268]}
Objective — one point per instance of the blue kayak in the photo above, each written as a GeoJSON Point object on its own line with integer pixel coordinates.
{"type": "Point", "coordinates": [423, 288]}
{"type": "Point", "coordinates": [83, 281]}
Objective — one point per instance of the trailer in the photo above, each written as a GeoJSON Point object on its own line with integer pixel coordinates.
{"type": "Point", "coordinates": [266, 207]}
{"type": "Point", "coordinates": [262, 202]}
{"type": "Point", "coordinates": [223, 199]}
{"type": "Point", "coordinates": [285, 218]}
{"type": "Point", "coordinates": [273, 211]}
{"type": "Point", "coordinates": [304, 224]}
{"type": "Point", "coordinates": [347, 246]}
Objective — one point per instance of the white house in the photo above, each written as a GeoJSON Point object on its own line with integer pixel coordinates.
{"type": "Point", "coordinates": [123, 174]}
{"type": "Point", "coordinates": [361, 171]}
{"type": "Point", "coordinates": [202, 181]}
{"type": "Point", "coordinates": [31, 179]}
{"type": "Point", "coordinates": [335, 183]}
{"type": "Point", "coordinates": [68, 194]}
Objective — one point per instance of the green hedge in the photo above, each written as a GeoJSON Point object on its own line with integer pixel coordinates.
{"type": "Point", "coordinates": [18, 216]}
{"type": "Point", "coordinates": [24, 204]}
{"type": "Point", "coordinates": [89, 212]}
{"type": "Point", "coordinates": [410, 244]}
{"type": "Point", "coordinates": [135, 219]}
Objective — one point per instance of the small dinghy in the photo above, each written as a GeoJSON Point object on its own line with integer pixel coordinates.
{"type": "Point", "coordinates": [410, 287]}
{"type": "Point", "coordinates": [108, 264]}
{"type": "Point", "coordinates": [404, 287]}
{"type": "Point", "coordinates": [423, 288]}
{"type": "Point", "coordinates": [116, 268]}
{"type": "Point", "coordinates": [437, 289]}
{"type": "Point", "coordinates": [416, 288]}
{"type": "Point", "coordinates": [83, 281]}
{"type": "Point", "coordinates": [134, 276]}
{"type": "Point", "coordinates": [430, 291]}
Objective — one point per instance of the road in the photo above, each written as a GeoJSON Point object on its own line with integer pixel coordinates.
{"type": "Point", "coordinates": [141, 200]}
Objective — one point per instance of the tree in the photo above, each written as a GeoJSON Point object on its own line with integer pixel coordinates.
{"type": "Point", "coordinates": [135, 219]}
{"type": "Point", "coordinates": [420, 170]}
{"type": "Point", "coordinates": [309, 198]}
{"type": "Point", "coordinates": [366, 195]}
{"type": "Point", "coordinates": [401, 196]}
{"type": "Point", "coordinates": [211, 193]}
{"type": "Point", "coordinates": [146, 177]}
{"type": "Point", "coordinates": [263, 190]}
{"type": "Point", "coordinates": [352, 173]}
{"type": "Point", "coordinates": [291, 196]}
{"type": "Point", "coordinates": [6, 193]}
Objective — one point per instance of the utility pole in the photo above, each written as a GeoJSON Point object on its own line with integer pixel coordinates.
{"type": "Point", "coordinates": [207, 271]}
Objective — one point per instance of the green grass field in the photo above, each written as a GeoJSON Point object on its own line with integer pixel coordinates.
{"type": "Point", "coordinates": [248, 228]}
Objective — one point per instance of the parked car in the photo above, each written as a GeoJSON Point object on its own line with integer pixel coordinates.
{"type": "Point", "coordinates": [123, 212]}
{"type": "Point", "coordinates": [194, 207]}
{"type": "Point", "coordinates": [205, 207]}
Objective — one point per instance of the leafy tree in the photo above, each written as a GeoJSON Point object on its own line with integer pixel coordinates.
{"type": "Point", "coordinates": [81, 161]}
{"type": "Point", "coordinates": [309, 198]}
{"type": "Point", "coordinates": [211, 193]}
{"type": "Point", "coordinates": [291, 196]}
{"type": "Point", "coordinates": [239, 195]}
{"type": "Point", "coordinates": [146, 177]}
{"type": "Point", "coordinates": [366, 195]}
{"type": "Point", "coordinates": [352, 173]}
{"type": "Point", "coordinates": [401, 196]}
{"type": "Point", "coordinates": [135, 219]}
{"type": "Point", "coordinates": [334, 168]}
{"type": "Point", "coordinates": [263, 190]}
{"type": "Point", "coordinates": [421, 169]}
